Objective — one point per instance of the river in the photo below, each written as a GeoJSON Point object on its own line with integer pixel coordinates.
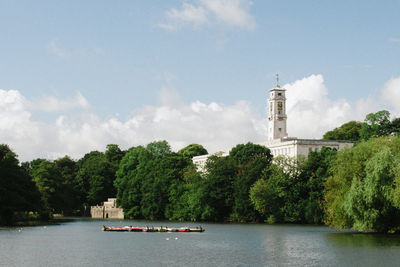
{"type": "Point", "coordinates": [81, 242]}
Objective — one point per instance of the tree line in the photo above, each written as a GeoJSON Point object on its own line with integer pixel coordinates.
{"type": "Point", "coordinates": [355, 188]}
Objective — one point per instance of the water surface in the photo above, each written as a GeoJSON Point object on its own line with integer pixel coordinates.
{"type": "Point", "coordinates": [82, 243]}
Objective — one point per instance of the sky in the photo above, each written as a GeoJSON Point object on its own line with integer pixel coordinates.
{"type": "Point", "coordinates": [78, 75]}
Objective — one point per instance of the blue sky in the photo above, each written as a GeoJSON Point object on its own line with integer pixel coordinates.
{"type": "Point", "coordinates": [88, 73]}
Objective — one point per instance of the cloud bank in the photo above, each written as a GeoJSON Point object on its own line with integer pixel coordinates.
{"type": "Point", "coordinates": [214, 125]}
{"type": "Point", "coordinates": [311, 112]}
{"type": "Point", "coordinates": [233, 13]}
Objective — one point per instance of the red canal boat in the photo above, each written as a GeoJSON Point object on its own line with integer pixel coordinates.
{"type": "Point", "coordinates": [150, 229]}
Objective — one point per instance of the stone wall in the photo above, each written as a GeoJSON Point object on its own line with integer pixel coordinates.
{"type": "Point", "coordinates": [108, 210]}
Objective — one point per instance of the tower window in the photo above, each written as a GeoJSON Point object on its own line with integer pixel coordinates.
{"type": "Point", "coordinates": [280, 129]}
{"type": "Point", "coordinates": [279, 94]}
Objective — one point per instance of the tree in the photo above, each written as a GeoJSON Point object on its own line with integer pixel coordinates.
{"type": "Point", "coordinates": [95, 178]}
{"type": "Point", "coordinates": [162, 185]}
{"type": "Point", "coordinates": [217, 188]}
{"type": "Point", "coordinates": [395, 127]}
{"type": "Point", "coordinates": [251, 160]}
{"type": "Point", "coordinates": [49, 182]}
{"type": "Point", "coordinates": [18, 193]}
{"type": "Point", "coordinates": [349, 131]}
{"type": "Point", "coordinates": [69, 189]}
{"type": "Point", "coordinates": [149, 181]}
{"type": "Point", "coordinates": [244, 153]}
{"type": "Point", "coordinates": [317, 168]}
{"type": "Point", "coordinates": [114, 155]}
{"type": "Point", "coordinates": [193, 150]}
{"type": "Point", "coordinates": [290, 190]}
{"type": "Point", "coordinates": [375, 125]}
{"type": "Point", "coordinates": [361, 193]}
{"type": "Point", "coordinates": [159, 148]}
{"type": "Point", "coordinates": [128, 181]}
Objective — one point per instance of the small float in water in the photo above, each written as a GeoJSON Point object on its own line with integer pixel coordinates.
{"type": "Point", "coordinates": [150, 229]}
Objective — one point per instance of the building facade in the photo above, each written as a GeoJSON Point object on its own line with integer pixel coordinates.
{"type": "Point", "coordinates": [278, 141]}
{"type": "Point", "coordinates": [108, 210]}
{"type": "Point", "coordinates": [200, 161]}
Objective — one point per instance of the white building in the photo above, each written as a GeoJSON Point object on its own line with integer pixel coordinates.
{"type": "Point", "coordinates": [200, 161]}
{"type": "Point", "coordinates": [278, 141]}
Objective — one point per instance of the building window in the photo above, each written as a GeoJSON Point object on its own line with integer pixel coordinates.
{"type": "Point", "coordinates": [279, 94]}
{"type": "Point", "coordinates": [280, 129]}
{"type": "Point", "coordinates": [310, 149]}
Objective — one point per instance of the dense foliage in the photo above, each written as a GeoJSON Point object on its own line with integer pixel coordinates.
{"type": "Point", "coordinates": [355, 188]}
{"type": "Point", "coordinates": [349, 131]}
{"type": "Point", "coordinates": [290, 190]}
{"type": "Point", "coordinates": [18, 193]}
{"type": "Point", "coordinates": [193, 150]}
{"type": "Point", "coordinates": [363, 191]}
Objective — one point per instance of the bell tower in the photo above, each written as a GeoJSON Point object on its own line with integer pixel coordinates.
{"type": "Point", "coordinates": [277, 112]}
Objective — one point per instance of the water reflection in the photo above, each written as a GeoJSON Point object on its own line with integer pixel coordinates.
{"type": "Point", "coordinates": [363, 239]}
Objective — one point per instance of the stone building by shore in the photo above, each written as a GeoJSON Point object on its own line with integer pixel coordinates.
{"type": "Point", "coordinates": [108, 210]}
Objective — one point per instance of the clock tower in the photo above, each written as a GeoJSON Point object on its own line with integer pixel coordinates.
{"type": "Point", "coordinates": [277, 112]}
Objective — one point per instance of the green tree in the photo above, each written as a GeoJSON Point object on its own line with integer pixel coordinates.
{"type": "Point", "coordinates": [289, 190]}
{"type": "Point", "coordinates": [217, 188]}
{"type": "Point", "coordinates": [349, 131]}
{"type": "Point", "coordinates": [251, 160]}
{"type": "Point", "coordinates": [246, 152]}
{"type": "Point", "coordinates": [317, 168]}
{"type": "Point", "coordinates": [114, 156]}
{"type": "Point", "coordinates": [162, 185]}
{"type": "Point", "coordinates": [49, 182]}
{"type": "Point", "coordinates": [128, 181]}
{"type": "Point", "coordinates": [159, 148]}
{"type": "Point", "coordinates": [69, 192]}
{"type": "Point", "coordinates": [395, 126]}
{"type": "Point", "coordinates": [193, 150]}
{"type": "Point", "coordinates": [95, 178]}
{"type": "Point", "coordinates": [18, 193]}
{"type": "Point", "coordinates": [375, 125]}
{"type": "Point", "coordinates": [361, 192]}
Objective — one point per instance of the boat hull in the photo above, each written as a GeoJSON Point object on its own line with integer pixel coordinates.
{"type": "Point", "coordinates": [147, 229]}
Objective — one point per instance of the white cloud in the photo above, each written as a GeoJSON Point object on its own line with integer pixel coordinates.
{"type": "Point", "coordinates": [231, 12]}
{"type": "Point", "coordinates": [214, 125]}
{"type": "Point", "coordinates": [235, 13]}
{"type": "Point", "coordinates": [391, 93]}
{"type": "Point", "coordinates": [188, 13]}
{"type": "Point", "coordinates": [51, 103]}
{"type": "Point", "coordinates": [311, 113]}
